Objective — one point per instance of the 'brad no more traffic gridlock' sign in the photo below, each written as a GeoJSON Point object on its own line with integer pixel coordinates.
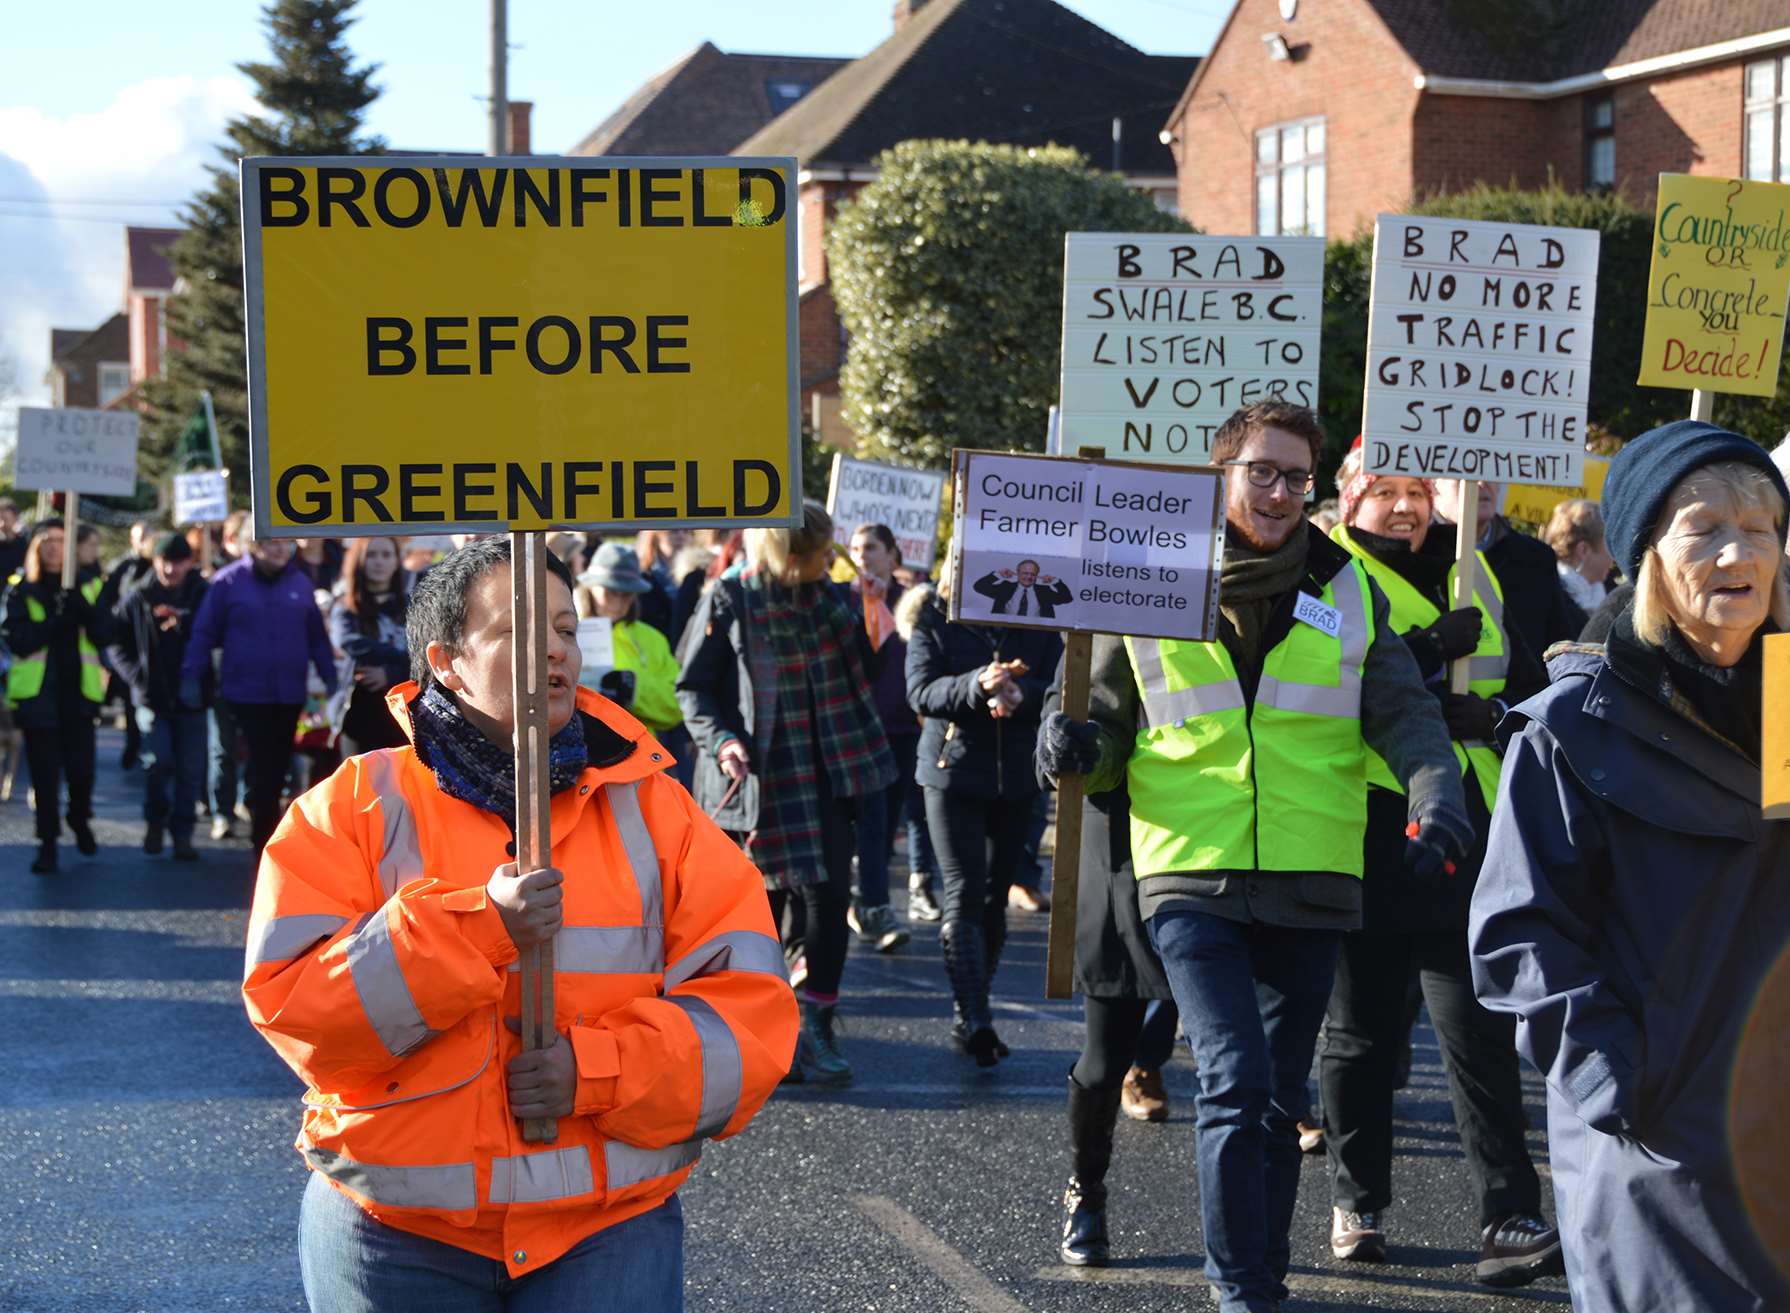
{"type": "Point", "coordinates": [1479, 350]}
{"type": "Point", "coordinates": [1113, 547]}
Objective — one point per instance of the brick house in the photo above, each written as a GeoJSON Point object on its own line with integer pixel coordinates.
{"type": "Point", "coordinates": [90, 368]}
{"type": "Point", "coordinates": [1409, 97]}
{"type": "Point", "coordinates": [148, 282]}
{"type": "Point", "coordinates": [1026, 72]}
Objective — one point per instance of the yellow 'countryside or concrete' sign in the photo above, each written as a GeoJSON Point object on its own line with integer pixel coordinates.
{"type": "Point", "coordinates": [474, 345]}
{"type": "Point", "coordinates": [1533, 503]}
{"type": "Point", "coordinates": [1715, 296]}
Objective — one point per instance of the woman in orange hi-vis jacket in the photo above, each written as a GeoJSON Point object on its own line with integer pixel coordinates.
{"type": "Point", "coordinates": [381, 965]}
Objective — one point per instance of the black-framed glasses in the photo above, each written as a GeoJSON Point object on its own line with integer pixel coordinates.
{"type": "Point", "coordinates": [1264, 475]}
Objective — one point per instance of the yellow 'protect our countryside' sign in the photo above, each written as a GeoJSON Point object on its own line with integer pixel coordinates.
{"type": "Point", "coordinates": [1716, 293]}
{"type": "Point", "coordinates": [520, 343]}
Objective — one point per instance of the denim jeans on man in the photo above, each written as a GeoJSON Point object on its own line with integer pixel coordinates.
{"type": "Point", "coordinates": [1251, 997]}
{"type": "Point", "coordinates": [223, 780]}
{"type": "Point", "coordinates": [354, 1264]}
{"type": "Point", "coordinates": [173, 751]}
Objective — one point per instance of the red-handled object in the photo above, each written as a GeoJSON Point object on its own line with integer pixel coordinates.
{"type": "Point", "coordinates": [1411, 832]}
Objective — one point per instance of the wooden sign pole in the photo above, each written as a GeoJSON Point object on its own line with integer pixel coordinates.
{"type": "Point", "coordinates": [1065, 864]}
{"type": "Point", "coordinates": [1703, 405]}
{"type": "Point", "coordinates": [1466, 571]}
{"type": "Point", "coordinates": [71, 531]}
{"type": "Point", "coordinates": [528, 657]}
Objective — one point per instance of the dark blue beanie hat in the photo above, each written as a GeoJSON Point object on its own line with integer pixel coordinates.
{"type": "Point", "coordinates": [1643, 474]}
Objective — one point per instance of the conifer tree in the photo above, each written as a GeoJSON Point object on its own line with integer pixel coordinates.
{"type": "Point", "coordinates": [312, 100]}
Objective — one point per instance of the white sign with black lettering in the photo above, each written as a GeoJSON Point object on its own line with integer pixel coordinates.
{"type": "Point", "coordinates": [908, 501]}
{"type": "Point", "coordinates": [85, 451]}
{"type": "Point", "coordinates": [1166, 334]}
{"type": "Point", "coordinates": [201, 497]}
{"type": "Point", "coordinates": [1113, 547]}
{"type": "Point", "coordinates": [1479, 350]}
{"type": "Point", "coordinates": [1314, 612]}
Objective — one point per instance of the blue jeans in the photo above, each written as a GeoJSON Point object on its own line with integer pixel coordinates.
{"type": "Point", "coordinates": [223, 779]}
{"type": "Point", "coordinates": [173, 754]}
{"type": "Point", "coordinates": [1251, 997]}
{"type": "Point", "coordinates": [354, 1264]}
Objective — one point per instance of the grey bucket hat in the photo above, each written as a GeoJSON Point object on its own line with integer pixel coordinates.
{"type": "Point", "coordinates": [616, 568]}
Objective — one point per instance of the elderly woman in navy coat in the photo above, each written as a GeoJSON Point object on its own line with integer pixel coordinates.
{"type": "Point", "coordinates": [1634, 911]}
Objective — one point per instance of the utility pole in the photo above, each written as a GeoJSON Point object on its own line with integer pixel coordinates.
{"type": "Point", "coordinates": [500, 68]}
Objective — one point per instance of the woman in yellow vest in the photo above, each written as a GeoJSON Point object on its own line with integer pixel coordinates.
{"type": "Point", "coordinates": [56, 685]}
{"type": "Point", "coordinates": [1410, 928]}
{"type": "Point", "coordinates": [612, 589]}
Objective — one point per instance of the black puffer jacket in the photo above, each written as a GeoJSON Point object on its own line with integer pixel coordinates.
{"type": "Point", "coordinates": [962, 747]}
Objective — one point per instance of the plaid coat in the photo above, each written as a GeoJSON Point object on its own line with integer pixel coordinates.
{"type": "Point", "coordinates": [728, 688]}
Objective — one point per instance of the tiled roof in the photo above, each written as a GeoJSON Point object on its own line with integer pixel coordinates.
{"type": "Point", "coordinates": [1024, 72]}
{"type": "Point", "coordinates": [1546, 40]}
{"type": "Point", "coordinates": [110, 341]}
{"type": "Point", "coordinates": [706, 104]}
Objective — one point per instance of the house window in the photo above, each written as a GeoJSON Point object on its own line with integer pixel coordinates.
{"type": "Point", "coordinates": [1768, 120]}
{"type": "Point", "coordinates": [784, 93]}
{"type": "Point", "coordinates": [1289, 179]}
{"type": "Point", "coordinates": [1600, 142]}
{"type": "Point", "coordinates": [114, 380]}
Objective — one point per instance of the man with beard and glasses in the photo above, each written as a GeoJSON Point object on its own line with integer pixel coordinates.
{"type": "Point", "coordinates": [1246, 762]}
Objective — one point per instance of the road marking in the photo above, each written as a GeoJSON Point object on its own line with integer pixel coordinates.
{"type": "Point", "coordinates": [1301, 1284]}
{"type": "Point", "coordinates": [946, 1263]}
{"type": "Point", "coordinates": [158, 991]}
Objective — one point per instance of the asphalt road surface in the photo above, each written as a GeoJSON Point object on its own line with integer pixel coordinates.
{"type": "Point", "coordinates": [146, 1133]}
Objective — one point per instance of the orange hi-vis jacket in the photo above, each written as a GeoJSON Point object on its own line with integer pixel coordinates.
{"type": "Point", "coordinates": [382, 973]}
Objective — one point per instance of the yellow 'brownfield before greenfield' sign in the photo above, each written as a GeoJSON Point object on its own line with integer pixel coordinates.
{"type": "Point", "coordinates": [1715, 296]}
{"type": "Point", "coordinates": [520, 343]}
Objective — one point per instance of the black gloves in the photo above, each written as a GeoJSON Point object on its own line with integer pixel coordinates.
{"type": "Point", "coordinates": [1067, 747]}
{"type": "Point", "coordinates": [1456, 633]}
{"type": "Point", "coordinates": [1435, 845]}
{"type": "Point", "coordinates": [618, 687]}
{"type": "Point", "coordinates": [1471, 717]}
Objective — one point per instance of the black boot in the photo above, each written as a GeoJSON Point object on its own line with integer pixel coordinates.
{"type": "Point", "coordinates": [966, 966]}
{"type": "Point", "coordinates": [85, 843]}
{"type": "Point", "coordinates": [1092, 1115]}
{"type": "Point", "coordinates": [46, 858]}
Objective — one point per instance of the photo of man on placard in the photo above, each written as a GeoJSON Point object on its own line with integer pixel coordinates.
{"type": "Point", "coordinates": [1022, 591]}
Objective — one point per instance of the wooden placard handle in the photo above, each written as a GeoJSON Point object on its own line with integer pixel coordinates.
{"type": "Point", "coordinates": [534, 840]}
{"type": "Point", "coordinates": [71, 531]}
{"type": "Point", "coordinates": [1466, 572]}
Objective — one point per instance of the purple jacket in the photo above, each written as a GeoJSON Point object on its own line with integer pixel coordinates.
{"type": "Point", "coordinates": [268, 630]}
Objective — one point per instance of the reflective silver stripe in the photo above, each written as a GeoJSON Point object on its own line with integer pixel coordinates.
{"type": "Point", "coordinates": [637, 841]}
{"type": "Point", "coordinates": [1343, 700]}
{"type": "Point", "coordinates": [282, 938]}
{"type": "Point", "coordinates": [401, 858]}
{"type": "Point", "coordinates": [447, 1185]}
{"type": "Point", "coordinates": [532, 1178]}
{"type": "Point", "coordinates": [1163, 707]}
{"type": "Point", "coordinates": [737, 950]}
{"type": "Point", "coordinates": [608, 949]}
{"type": "Point", "coordinates": [625, 1164]}
{"type": "Point", "coordinates": [1488, 667]}
{"type": "Point", "coordinates": [720, 1066]}
{"type": "Point", "coordinates": [384, 995]}
{"type": "Point", "coordinates": [1485, 594]}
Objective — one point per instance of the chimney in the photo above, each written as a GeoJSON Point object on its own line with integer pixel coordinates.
{"type": "Point", "coordinates": [906, 9]}
{"type": "Point", "coordinates": [519, 110]}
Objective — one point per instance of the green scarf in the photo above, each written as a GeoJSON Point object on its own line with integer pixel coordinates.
{"type": "Point", "coordinates": [1250, 582]}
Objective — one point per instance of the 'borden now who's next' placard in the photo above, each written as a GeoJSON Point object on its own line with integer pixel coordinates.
{"type": "Point", "coordinates": [1479, 350]}
{"type": "Point", "coordinates": [1115, 547]}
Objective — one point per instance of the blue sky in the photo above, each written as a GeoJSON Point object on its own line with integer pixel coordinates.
{"type": "Point", "coordinates": [109, 109]}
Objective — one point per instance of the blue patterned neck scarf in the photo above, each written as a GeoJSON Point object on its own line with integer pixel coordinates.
{"type": "Point", "coordinates": [472, 768]}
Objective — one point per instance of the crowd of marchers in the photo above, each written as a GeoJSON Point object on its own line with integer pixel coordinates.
{"type": "Point", "coordinates": [1294, 836]}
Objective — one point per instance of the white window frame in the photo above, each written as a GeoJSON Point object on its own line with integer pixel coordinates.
{"type": "Point", "coordinates": [1598, 133]}
{"type": "Point", "coordinates": [119, 372]}
{"type": "Point", "coordinates": [1768, 107]}
{"type": "Point", "coordinates": [1296, 149]}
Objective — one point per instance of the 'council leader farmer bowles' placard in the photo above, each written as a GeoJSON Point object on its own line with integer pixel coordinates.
{"type": "Point", "coordinates": [520, 343]}
{"type": "Point", "coordinates": [1044, 542]}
